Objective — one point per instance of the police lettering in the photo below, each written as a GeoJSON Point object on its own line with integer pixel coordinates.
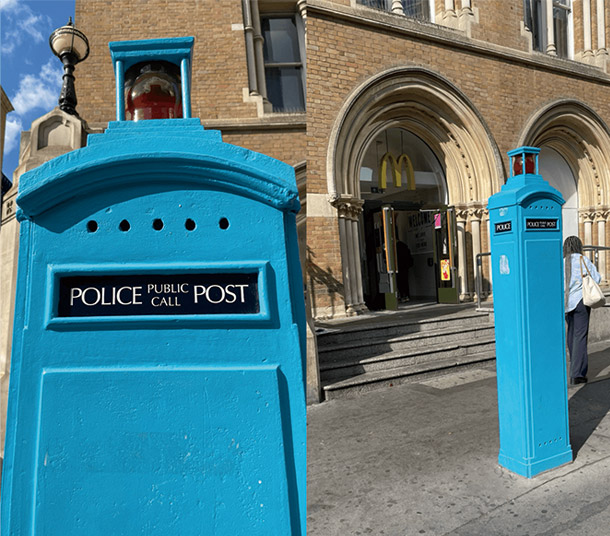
{"type": "Point", "coordinates": [220, 294]}
{"type": "Point", "coordinates": [91, 296]}
{"type": "Point", "coordinates": [504, 226]}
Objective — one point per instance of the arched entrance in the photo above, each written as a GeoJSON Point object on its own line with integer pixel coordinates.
{"type": "Point", "coordinates": [555, 169]}
{"type": "Point", "coordinates": [575, 158]}
{"type": "Point", "coordinates": [403, 182]}
{"type": "Point", "coordinates": [448, 145]}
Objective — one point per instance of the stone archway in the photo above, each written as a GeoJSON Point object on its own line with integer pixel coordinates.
{"type": "Point", "coordinates": [581, 137]}
{"type": "Point", "coordinates": [433, 109]}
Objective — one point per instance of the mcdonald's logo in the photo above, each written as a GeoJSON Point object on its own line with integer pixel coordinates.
{"type": "Point", "coordinates": [396, 167]}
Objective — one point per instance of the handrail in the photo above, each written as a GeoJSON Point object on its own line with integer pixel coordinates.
{"type": "Point", "coordinates": [479, 280]}
{"type": "Point", "coordinates": [479, 275]}
{"type": "Point", "coordinates": [596, 250]}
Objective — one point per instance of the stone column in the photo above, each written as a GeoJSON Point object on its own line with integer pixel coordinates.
{"type": "Point", "coordinates": [601, 216]}
{"type": "Point", "coordinates": [588, 218]}
{"type": "Point", "coordinates": [486, 261]}
{"type": "Point", "coordinates": [586, 28]}
{"type": "Point", "coordinates": [397, 7]}
{"type": "Point", "coordinates": [461, 217]}
{"type": "Point", "coordinates": [449, 16]}
{"type": "Point", "coordinates": [349, 210]}
{"type": "Point", "coordinates": [601, 52]}
{"type": "Point", "coordinates": [550, 31]}
{"type": "Point", "coordinates": [475, 214]}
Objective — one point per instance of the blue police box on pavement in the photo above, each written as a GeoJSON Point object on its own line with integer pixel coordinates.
{"type": "Point", "coordinates": [157, 382]}
{"type": "Point", "coordinates": [527, 272]}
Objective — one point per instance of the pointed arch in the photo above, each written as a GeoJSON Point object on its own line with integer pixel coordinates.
{"type": "Point", "coordinates": [579, 134]}
{"type": "Point", "coordinates": [430, 107]}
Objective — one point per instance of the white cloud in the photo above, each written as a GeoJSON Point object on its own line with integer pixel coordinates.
{"type": "Point", "coordinates": [12, 133]}
{"type": "Point", "coordinates": [9, 5]}
{"type": "Point", "coordinates": [21, 23]}
{"type": "Point", "coordinates": [39, 90]}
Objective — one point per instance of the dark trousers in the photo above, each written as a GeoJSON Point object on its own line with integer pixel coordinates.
{"type": "Point", "coordinates": [578, 332]}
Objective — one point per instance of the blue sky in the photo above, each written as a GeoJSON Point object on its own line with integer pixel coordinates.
{"type": "Point", "coordinates": [29, 72]}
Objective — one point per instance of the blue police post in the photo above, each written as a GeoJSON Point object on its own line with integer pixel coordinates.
{"type": "Point", "coordinates": [159, 351]}
{"type": "Point", "coordinates": [527, 272]}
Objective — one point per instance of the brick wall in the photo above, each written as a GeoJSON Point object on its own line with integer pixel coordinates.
{"type": "Point", "coordinates": [219, 57]}
{"type": "Point", "coordinates": [219, 71]}
{"type": "Point", "coordinates": [499, 23]}
{"type": "Point", "coordinates": [343, 52]}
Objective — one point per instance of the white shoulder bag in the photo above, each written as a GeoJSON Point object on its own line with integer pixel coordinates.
{"type": "Point", "coordinates": [592, 295]}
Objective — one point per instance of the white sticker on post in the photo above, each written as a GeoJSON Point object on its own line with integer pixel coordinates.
{"type": "Point", "coordinates": [504, 267]}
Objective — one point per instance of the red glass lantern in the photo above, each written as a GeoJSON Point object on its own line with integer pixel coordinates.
{"type": "Point", "coordinates": [530, 164]}
{"type": "Point", "coordinates": [153, 91]}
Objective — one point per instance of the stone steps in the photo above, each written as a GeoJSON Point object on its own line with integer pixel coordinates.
{"type": "Point", "coordinates": [369, 381]}
{"type": "Point", "coordinates": [363, 355]}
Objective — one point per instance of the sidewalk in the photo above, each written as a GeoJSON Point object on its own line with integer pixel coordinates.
{"type": "Point", "coordinates": [422, 459]}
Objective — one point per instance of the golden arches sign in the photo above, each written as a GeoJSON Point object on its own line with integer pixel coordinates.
{"type": "Point", "coordinates": [396, 166]}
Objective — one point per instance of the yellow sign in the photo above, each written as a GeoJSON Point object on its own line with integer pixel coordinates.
{"type": "Point", "coordinates": [396, 167]}
{"type": "Point", "coordinates": [445, 270]}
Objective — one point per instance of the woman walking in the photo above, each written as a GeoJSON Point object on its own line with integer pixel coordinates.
{"type": "Point", "coordinates": [577, 313]}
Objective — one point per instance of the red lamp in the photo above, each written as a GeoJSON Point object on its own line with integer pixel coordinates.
{"type": "Point", "coordinates": [152, 91]}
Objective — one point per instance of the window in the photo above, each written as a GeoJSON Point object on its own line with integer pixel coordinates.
{"type": "Point", "coordinates": [535, 19]}
{"type": "Point", "coordinates": [561, 15]}
{"type": "Point", "coordinates": [415, 9]}
{"type": "Point", "coordinates": [535, 22]}
{"type": "Point", "coordinates": [284, 73]}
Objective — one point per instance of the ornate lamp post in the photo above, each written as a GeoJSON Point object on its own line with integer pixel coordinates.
{"type": "Point", "coordinates": [71, 47]}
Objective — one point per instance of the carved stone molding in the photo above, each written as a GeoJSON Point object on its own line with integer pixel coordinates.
{"type": "Point", "coordinates": [348, 207]}
{"type": "Point", "coordinates": [587, 215]}
{"type": "Point", "coordinates": [476, 214]}
{"type": "Point", "coordinates": [461, 214]}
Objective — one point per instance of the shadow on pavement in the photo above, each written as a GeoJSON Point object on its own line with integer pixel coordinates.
{"type": "Point", "coordinates": [590, 403]}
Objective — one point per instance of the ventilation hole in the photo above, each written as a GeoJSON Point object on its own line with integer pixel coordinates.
{"type": "Point", "coordinates": [124, 226]}
{"type": "Point", "coordinates": [190, 225]}
{"type": "Point", "coordinates": [92, 226]}
{"type": "Point", "coordinates": [157, 224]}
{"type": "Point", "coordinates": [223, 223]}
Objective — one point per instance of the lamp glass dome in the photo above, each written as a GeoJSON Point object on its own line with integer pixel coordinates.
{"type": "Point", "coordinates": [69, 40]}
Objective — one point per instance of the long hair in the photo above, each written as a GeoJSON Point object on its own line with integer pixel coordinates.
{"type": "Point", "coordinates": [572, 245]}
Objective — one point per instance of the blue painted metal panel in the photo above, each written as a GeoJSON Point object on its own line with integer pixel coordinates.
{"type": "Point", "coordinates": [172, 424]}
{"type": "Point", "coordinates": [527, 273]}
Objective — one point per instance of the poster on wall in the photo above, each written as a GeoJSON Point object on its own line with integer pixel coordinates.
{"type": "Point", "coordinates": [445, 270]}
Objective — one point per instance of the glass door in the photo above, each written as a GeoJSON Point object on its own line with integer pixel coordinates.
{"type": "Point", "coordinates": [385, 253]}
{"type": "Point", "coordinates": [445, 255]}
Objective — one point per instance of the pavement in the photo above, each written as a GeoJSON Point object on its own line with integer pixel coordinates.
{"type": "Point", "coordinates": [421, 458]}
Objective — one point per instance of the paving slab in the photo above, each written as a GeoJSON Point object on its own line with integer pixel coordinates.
{"type": "Point", "coordinates": [422, 459]}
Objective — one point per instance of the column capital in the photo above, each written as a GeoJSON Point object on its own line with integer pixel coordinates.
{"type": "Point", "coordinates": [586, 215]}
{"type": "Point", "coordinates": [347, 207]}
{"type": "Point", "coordinates": [601, 214]}
{"type": "Point", "coordinates": [476, 213]}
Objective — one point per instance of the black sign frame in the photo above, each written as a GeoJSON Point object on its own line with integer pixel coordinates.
{"type": "Point", "coordinates": [503, 227]}
{"type": "Point", "coordinates": [112, 295]}
{"type": "Point", "coordinates": [541, 224]}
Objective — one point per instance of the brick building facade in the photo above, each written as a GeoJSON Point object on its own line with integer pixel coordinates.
{"type": "Point", "coordinates": [448, 85]}
{"type": "Point", "coordinates": [453, 85]}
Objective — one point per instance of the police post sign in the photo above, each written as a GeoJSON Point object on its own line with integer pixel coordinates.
{"type": "Point", "coordinates": [157, 294]}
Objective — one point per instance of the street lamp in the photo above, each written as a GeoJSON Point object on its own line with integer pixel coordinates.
{"type": "Point", "coordinates": [71, 47]}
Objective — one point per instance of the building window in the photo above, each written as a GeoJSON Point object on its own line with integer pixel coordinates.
{"type": "Point", "coordinates": [415, 9]}
{"type": "Point", "coordinates": [536, 21]}
{"type": "Point", "coordinates": [282, 55]}
{"type": "Point", "coordinates": [561, 19]}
